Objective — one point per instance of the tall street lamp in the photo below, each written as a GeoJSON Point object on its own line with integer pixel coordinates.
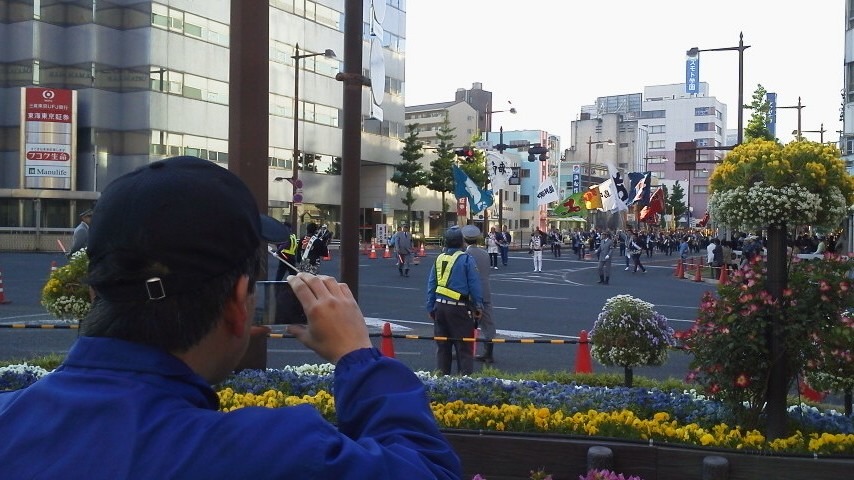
{"type": "Point", "coordinates": [820, 131]}
{"type": "Point", "coordinates": [799, 106]}
{"type": "Point", "coordinates": [501, 151]}
{"type": "Point", "coordinates": [590, 143]}
{"type": "Point", "coordinates": [740, 48]}
{"type": "Point", "coordinates": [295, 181]}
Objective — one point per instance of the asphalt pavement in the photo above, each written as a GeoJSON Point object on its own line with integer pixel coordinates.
{"type": "Point", "coordinates": [555, 304]}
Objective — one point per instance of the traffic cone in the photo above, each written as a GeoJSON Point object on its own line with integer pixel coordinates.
{"type": "Point", "coordinates": [421, 252]}
{"type": "Point", "coordinates": [724, 278]}
{"type": "Point", "coordinates": [698, 275]}
{"type": "Point", "coordinates": [328, 255]}
{"type": "Point", "coordinates": [373, 254]}
{"type": "Point", "coordinates": [678, 271]}
{"type": "Point", "coordinates": [387, 344]}
{"type": "Point", "coordinates": [2, 292]}
{"type": "Point", "coordinates": [52, 266]}
{"type": "Point", "coordinates": [583, 363]}
{"type": "Point", "coordinates": [387, 252]}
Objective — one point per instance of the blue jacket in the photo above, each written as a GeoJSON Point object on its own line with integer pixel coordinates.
{"type": "Point", "coordinates": [116, 409]}
{"type": "Point", "coordinates": [464, 279]}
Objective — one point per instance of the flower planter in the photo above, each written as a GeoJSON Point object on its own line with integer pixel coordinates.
{"type": "Point", "coordinates": [513, 456]}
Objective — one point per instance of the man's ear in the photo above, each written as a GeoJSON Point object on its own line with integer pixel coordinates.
{"type": "Point", "coordinates": [237, 313]}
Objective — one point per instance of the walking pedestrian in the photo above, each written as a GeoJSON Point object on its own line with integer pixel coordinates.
{"type": "Point", "coordinates": [80, 239]}
{"type": "Point", "coordinates": [492, 248]}
{"type": "Point", "coordinates": [485, 323]}
{"type": "Point", "coordinates": [403, 246]}
{"type": "Point", "coordinates": [556, 239]}
{"type": "Point", "coordinates": [504, 241]}
{"type": "Point", "coordinates": [636, 249]}
{"type": "Point", "coordinates": [538, 240]}
{"type": "Point", "coordinates": [313, 247]}
{"type": "Point", "coordinates": [454, 303]}
{"type": "Point", "coordinates": [603, 255]}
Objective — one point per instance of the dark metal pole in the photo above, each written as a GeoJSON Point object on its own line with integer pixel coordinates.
{"type": "Point", "coordinates": [501, 190]}
{"type": "Point", "coordinates": [778, 376]}
{"type": "Point", "coordinates": [296, 153]}
{"type": "Point", "coordinates": [351, 146]}
{"type": "Point", "coordinates": [741, 48]}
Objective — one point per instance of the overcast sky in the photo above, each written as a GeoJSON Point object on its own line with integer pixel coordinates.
{"type": "Point", "coordinates": [550, 57]}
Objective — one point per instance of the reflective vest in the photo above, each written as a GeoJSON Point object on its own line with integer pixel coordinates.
{"type": "Point", "coordinates": [444, 264]}
{"type": "Point", "coordinates": [292, 246]}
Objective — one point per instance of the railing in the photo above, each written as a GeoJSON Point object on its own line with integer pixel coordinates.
{"type": "Point", "coordinates": [31, 239]}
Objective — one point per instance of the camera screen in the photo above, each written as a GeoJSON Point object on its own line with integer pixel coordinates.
{"type": "Point", "coordinates": [280, 304]}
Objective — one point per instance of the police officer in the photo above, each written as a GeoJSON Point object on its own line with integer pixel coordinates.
{"type": "Point", "coordinates": [471, 234]}
{"type": "Point", "coordinates": [454, 302]}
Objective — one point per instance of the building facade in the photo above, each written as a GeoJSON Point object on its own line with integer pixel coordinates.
{"type": "Point", "coordinates": [151, 81]}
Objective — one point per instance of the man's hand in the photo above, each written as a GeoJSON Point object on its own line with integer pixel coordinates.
{"type": "Point", "coordinates": [335, 326]}
{"type": "Point", "coordinates": [477, 313]}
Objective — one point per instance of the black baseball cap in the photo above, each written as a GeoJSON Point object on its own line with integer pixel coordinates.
{"type": "Point", "coordinates": [168, 227]}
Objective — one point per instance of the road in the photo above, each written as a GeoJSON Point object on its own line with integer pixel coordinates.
{"type": "Point", "coordinates": [558, 304]}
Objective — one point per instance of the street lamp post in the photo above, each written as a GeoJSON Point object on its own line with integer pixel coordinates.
{"type": "Point", "coordinates": [740, 48]}
{"type": "Point", "coordinates": [296, 153]}
{"type": "Point", "coordinates": [820, 131]}
{"type": "Point", "coordinates": [501, 151]}
{"type": "Point", "coordinates": [799, 106]}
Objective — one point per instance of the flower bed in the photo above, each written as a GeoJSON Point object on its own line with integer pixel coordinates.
{"type": "Point", "coordinates": [505, 416]}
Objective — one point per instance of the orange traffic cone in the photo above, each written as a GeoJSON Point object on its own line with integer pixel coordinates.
{"type": "Point", "coordinates": [698, 275]}
{"type": "Point", "coordinates": [421, 252]}
{"type": "Point", "coordinates": [387, 344]}
{"type": "Point", "coordinates": [678, 271]}
{"type": "Point", "coordinates": [583, 363]}
{"type": "Point", "coordinates": [724, 278]}
{"type": "Point", "coordinates": [387, 252]}
{"type": "Point", "coordinates": [2, 292]}
{"type": "Point", "coordinates": [373, 254]}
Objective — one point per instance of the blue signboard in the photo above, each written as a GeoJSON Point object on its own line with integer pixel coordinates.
{"type": "Point", "coordinates": [772, 113]}
{"type": "Point", "coordinates": [692, 74]}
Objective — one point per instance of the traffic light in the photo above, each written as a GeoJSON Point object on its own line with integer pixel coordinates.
{"type": "Point", "coordinates": [543, 152]}
{"type": "Point", "coordinates": [466, 152]}
{"type": "Point", "coordinates": [686, 156]}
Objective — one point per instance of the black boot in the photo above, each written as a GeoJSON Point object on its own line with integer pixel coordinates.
{"type": "Point", "coordinates": [486, 357]}
{"type": "Point", "coordinates": [606, 280]}
{"type": "Point", "coordinates": [601, 279]}
{"type": "Point", "coordinates": [406, 273]}
{"type": "Point", "coordinates": [400, 269]}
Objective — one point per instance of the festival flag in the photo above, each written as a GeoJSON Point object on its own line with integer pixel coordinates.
{"type": "Point", "coordinates": [499, 170]}
{"type": "Point", "coordinates": [591, 197]}
{"type": "Point", "coordinates": [704, 220]}
{"type": "Point", "coordinates": [547, 193]}
{"type": "Point", "coordinates": [465, 187]}
{"type": "Point", "coordinates": [639, 188]}
{"type": "Point", "coordinates": [610, 199]}
{"type": "Point", "coordinates": [654, 207]}
{"type": "Point", "coordinates": [571, 206]}
{"type": "Point", "coordinates": [622, 193]}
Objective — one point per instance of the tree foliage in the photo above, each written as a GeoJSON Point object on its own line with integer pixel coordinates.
{"type": "Point", "coordinates": [757, 125]}
{"type": "Point", "coordinates": [441, 175]}
{"type": "Point", "coordinates": [409, 173]}
{"type": "Point", "coordinates": [675, 201]}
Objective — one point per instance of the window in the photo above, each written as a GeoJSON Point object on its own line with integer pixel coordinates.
{"type": "Point", "coordinates": [704, 127]}
{"type": "Point", "coordinates": [654, 144]}
{"type": "Point", "coordinates": [524, 199]}
{"type": "Point", "coordinates": [657, 129]}
{"type": "Point", "coordinates": [702, 111]}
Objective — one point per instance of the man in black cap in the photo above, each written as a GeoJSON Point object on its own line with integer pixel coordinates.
{"type": "Point", "coordinates": [454, 302]}
{"type": "Point", "coordinates": [175, 251]}
{"type": "Point", "coordinates": [81, 233]}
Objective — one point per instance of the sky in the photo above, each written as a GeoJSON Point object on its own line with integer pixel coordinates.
{"type": "Point", "coordinates": [551, 57]}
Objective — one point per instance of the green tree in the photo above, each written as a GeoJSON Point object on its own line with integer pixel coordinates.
{"type": "Point", "coordinates": [675, 202]}
{"type": "Point", "coordinates": [409, 173]}
{"type": "Point", "coordinates": [757, 125]}
{"type": "Point", "coordinates": [441, 175]}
